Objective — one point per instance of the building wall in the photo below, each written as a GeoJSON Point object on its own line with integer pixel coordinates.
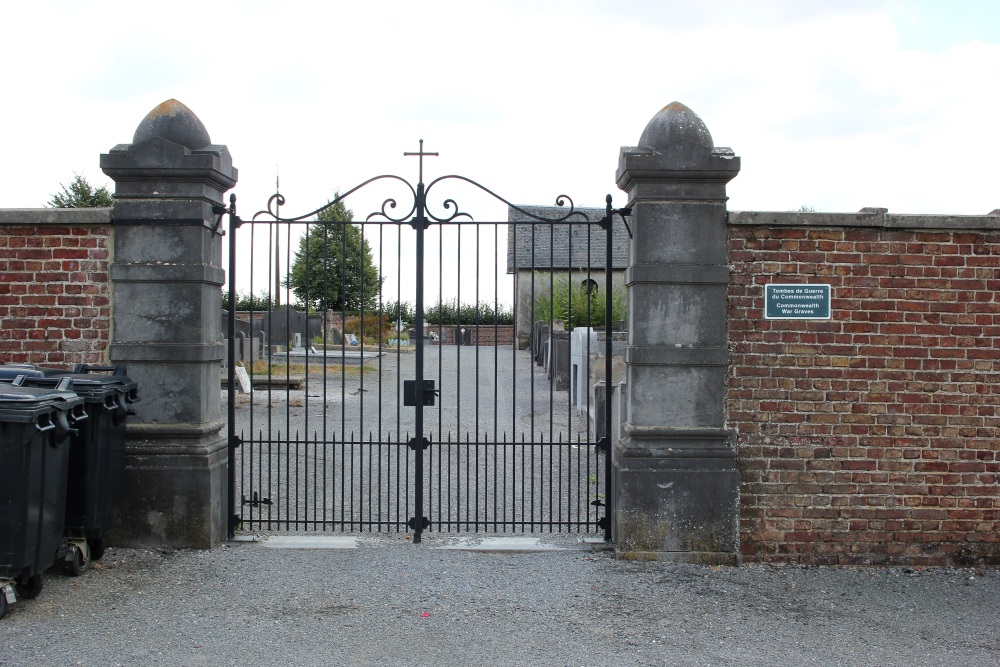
{"type": "Point", "coordinates": [54, 291]}
{"type": "Point", "coordinates": [486, 335]}
{"type": "Point", "coordinates": [873, 437]}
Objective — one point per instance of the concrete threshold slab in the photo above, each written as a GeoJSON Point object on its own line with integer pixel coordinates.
{"type": "Point", "coordinates": [505, 544]}
{"type": "Point", "coordinates": [311, 542]}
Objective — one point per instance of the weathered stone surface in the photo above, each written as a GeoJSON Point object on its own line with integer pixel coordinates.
{"type": "Point", "coordinates": [55, 216]}
{"type": "Point", "coordinates": [675, 484]}
{"type": "Point", "coordinates": [166, 302]}
{"type": "Point", "coordinates": [866, 217]}
{"type": "Point", "coordinates": [174, 121]}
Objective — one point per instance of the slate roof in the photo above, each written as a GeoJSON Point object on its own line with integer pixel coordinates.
{"type": "Point", "coordinates": [546, 246]}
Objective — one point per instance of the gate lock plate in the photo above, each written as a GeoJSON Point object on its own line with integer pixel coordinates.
{"type": "Point", "coordinates": [410, 392]}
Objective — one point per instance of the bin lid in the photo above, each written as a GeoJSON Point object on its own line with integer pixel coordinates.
{"type": "Point", "coordinates": [10, 371]}
{"type": "Point", "coordinates": [84, 384]}
{"type": "Point", "coordinates": [13, 397]}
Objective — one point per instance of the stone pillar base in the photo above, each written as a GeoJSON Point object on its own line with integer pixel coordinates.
{"type": "Point", "coordinates": [676, 496]}
{"type": "Point", "coordinates": [175, 493]}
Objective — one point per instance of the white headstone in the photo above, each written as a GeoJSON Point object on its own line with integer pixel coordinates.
{"type": "Point", "coordinates": [244, 378]}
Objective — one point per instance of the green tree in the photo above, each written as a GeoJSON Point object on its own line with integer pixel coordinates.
{"type": "Point", "coordinates": [572, 302]}
{"type": "Point", "coordinates": [333, 267]}
{"type": "Point", "coordinates": [80, 194]}
{"type": "Point", "coordinates": [248, 301]}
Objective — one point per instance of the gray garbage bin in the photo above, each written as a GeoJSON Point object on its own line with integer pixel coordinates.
{"type": "Point", "coordinates": [35, 425]}
{"type": "Point", "coordinates": [96, 455]}
{"type": "Point", "coordinates": [96, 458]}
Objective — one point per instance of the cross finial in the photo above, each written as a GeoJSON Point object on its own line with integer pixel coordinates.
{"type": "Point", "coordinates": [421, 154]}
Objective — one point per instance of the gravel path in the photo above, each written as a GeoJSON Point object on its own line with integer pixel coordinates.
{"type": "Point", "coordinates": [489, 391]}
{"type": "Point", "coordinates": [389, 602]}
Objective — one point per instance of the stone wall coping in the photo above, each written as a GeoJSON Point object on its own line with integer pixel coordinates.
{"type": "Point", "coordinates": [866, 217]}
{"type": "Point", "coordinates": [55, 216]}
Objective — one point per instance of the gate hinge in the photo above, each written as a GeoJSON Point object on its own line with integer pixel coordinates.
{"type": "Point", "coordinates": [424, 443]}
{"type": "Point", "coordinates": [234, 522]}
{"type": "Point", "coordinates": [602, 523]}
{"type": "Point", "coordinates": [597, 503]}
{"type": "Point", "coordinates": [424, 523]}
{"type": "Point", "coordinates": [603, 445]}
{"type": "Point", "coordinates": [610, 213]}
{"type": "Point", "coordinates": [235, 442]}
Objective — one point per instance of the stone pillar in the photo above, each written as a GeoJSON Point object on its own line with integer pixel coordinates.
{"type": "Point", "coordinates": [166, 278]}
{"type": "Point", "coordinates": [675, 482]}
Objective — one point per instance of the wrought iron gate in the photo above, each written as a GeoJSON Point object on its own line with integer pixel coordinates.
{"type": "Point", "coordinates": [456, 429]}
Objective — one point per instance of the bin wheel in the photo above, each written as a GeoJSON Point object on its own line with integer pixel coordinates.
{"type": "Point", "coordinates": [31, 587]}
{"type": "Point", "coordinates": [3, 604]}
{"type": "Point", "coordinates": [96, 548]}
{"type": "Point", "coordinates": [78, 564]}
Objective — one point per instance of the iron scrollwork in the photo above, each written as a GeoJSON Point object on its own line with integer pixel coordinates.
{"type": "Point", "coordinates": [417, 212]}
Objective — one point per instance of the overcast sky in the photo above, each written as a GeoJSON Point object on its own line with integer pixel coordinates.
{"type": "Point", "coordinates": [835, 105]}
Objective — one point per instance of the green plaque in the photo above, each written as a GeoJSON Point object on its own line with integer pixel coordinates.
{"type": "Point", "coordinates": [796, 302]}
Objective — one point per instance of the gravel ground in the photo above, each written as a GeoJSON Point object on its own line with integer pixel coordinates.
{"type": "Point", "coordinates": [346, 461]}
{"type": "Point", "coordinates": [389, 602]}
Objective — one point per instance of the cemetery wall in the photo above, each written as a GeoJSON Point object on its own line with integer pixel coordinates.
{"type": "Point", "coordinates": [54, 292]}
{"type": "Point", "coordinates": [485, 335]}
{"type": "Point", "coordinates": [872, 437]}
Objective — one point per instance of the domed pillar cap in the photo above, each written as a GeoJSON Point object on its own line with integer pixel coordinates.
{"type": "Point", "coordinates": [672, 124]}
{"type": "Point", "coordinates": [171, 157]}
{"type": "Point", "coordinates": [173, 121]}
{"type": "Point", "coordinates": [675, 145]}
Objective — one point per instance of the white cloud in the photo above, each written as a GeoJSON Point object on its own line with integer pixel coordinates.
{"type": "Point", "coordinates": [533, 99]}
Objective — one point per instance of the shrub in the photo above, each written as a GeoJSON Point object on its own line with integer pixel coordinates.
{"type": "Point", "coordinates": [373, 328]}
{"type": "Point", "coordinates": [484, 313]}
{"type": "Point", "coordinates": [587, 307]}
{"type": "Point", "coordinates": [397, 311]}
{"type": "Point", "coordinates": [256, 302]}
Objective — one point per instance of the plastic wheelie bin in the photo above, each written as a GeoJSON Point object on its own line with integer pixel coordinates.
{"type": "Point", "coordinates": [35, 425]}
{"type": "Point", "coordinates": [96, 458]}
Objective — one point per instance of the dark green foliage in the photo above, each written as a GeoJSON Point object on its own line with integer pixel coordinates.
{"type": "Point", "coordinates": [397, 311]}
{"type": "Point", "coordinates": [258, 303]}
{"type": "Point", "coordinates": [80, 194]}
{"type": "Point", "coordinates": [333, 267]}
{"type": "Point", "coordinates": [450, 312]}
{"type": "Point", "coordinates": [587, 307]}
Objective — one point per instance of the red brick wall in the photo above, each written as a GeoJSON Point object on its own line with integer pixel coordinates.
{"type": "Point", "coordinates": [485, 335]}
{"type": "Point", "coordinates": [54, 304]}
{"type": "Point", "coordinates": [873, 437]}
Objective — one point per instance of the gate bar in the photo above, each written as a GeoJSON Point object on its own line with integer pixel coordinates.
{"type": "Point", "coordinates": [233, 518]}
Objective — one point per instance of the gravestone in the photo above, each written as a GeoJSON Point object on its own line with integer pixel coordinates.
{"type": "Point", "coordinates": [280, 325]}
{"type": "Point", "coordinates": [241, 326]}
{"type": "Point", "coordinates": [558, 367]}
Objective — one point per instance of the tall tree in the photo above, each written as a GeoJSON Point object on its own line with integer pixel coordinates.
{"type": "Point", "coordinates": [80, 194]}
{"type": "Point", "coordinates": [333, 267]}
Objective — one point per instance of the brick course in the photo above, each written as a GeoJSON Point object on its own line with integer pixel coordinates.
{"type": "Point", "coordinates": [486, 335]}
{"type": "Point", "coordinates": [874, 437]}
{"type": "Point", "coordinates": [54, 302]}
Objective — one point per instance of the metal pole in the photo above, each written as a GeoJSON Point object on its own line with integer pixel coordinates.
{"type": "Point", "coordinates": [607, 369]}
{"type": "Point", "coordinates": [418, 497]}
{"type": "Point", "coordinates": [231, 361]}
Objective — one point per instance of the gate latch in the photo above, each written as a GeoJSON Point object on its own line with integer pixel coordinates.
{"type": "Point", "coordinates": [426, 397]}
